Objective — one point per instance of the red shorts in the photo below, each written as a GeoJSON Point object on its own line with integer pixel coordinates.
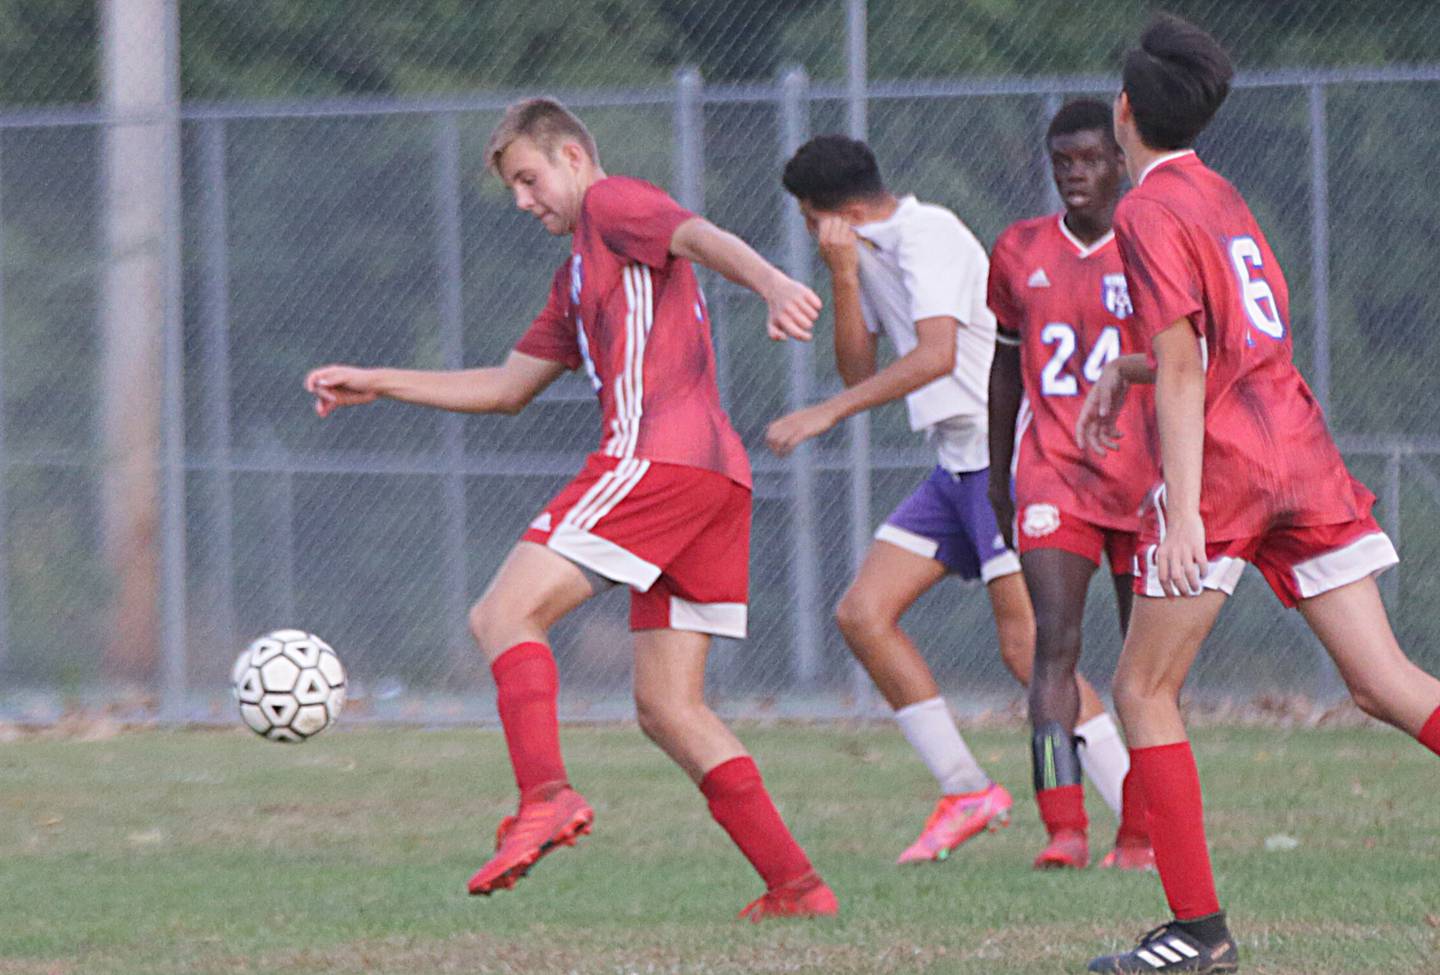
{"type": "Point", "coordinates": [1040, 526]}
{"type": "Point", "coordinates": [679, 537]}
{"type": "Point", "coordinates": [1298, 563]}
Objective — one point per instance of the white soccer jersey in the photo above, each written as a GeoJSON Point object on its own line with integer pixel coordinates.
{"type": "Point", "coordinates": [922, 262]}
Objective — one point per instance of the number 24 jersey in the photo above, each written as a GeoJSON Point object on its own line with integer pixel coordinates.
{"type": "Point", "coordinates": [1067, 303]}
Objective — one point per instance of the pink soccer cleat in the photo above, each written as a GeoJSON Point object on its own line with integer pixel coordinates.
{"type": "Point", "coordinates": [1067, 849]}
{"type": "Point", "coordinates": [957, 818]}
{"type": "Point", "coordinates": [806, 896]}
{"type": "Point", "coordinates": [535, 830]}
{"type": "Point", "coordinates": [1129, 856]}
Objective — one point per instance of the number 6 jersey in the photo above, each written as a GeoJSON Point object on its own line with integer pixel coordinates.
{"type": "Point", "coordinates": [1193, 251]}
{"type": "Point", "coordinates": [1067, 306]}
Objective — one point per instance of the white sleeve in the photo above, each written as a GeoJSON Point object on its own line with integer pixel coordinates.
{"type": "Point", "coordinates": [938, 259]}
{"type": "Point", "coordinates": [867, 313]}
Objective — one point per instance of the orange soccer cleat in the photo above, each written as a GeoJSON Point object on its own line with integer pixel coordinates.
{"type": "Point", "coordinates": [957, 818]}
{"type": "Point", "coordinates": [536, 829]}
{"type": "Point", "coordinates": [1067, 849]}
{"type": "Point", "coordinates": [806, 896]}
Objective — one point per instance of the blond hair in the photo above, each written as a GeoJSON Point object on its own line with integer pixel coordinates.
{"type": "Point", "coordinates": [543, 121]}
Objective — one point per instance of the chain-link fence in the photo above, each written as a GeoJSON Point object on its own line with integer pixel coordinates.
{"type": "Point", "coordinates": [307, 187]}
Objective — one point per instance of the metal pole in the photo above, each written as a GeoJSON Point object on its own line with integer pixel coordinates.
{"type": "Point", "coordinates": [690, 192]}
{"type": "Point", "coordinates": [1320, 243]}
{"type": "Point", "coordinates": [1049, 194]}
{"type": "Point", "coordinates": [862, 690]}
{"type": "Point", "coordinates": [805, 562]}
{"type": "Point", "coordinates": [4, 477]}
{"type": "Point", "coordinates": [172, 546]}
{"type": "Point", "coordinates": [215, 304]}
{"type": "Point", "coordinates": [689, 139]}
{"type": "Point", "coordinates": [1393, 470]}
{"type": "Point", "coordinates": [450, 264]}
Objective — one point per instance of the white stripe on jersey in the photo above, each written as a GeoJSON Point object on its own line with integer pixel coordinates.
{"type": "Point", "coordinates": [630, 384]}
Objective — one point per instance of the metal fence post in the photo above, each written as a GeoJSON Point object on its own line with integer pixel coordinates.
{"type": "Point", "coordinates": [449, 263]}
{"type": "Point", "coordinates": [1049, 195]}
{"type": "Point", "coordinates": [215, 315]}
{"type": "Point", "coordinates": [1394, 468]}
{"type": "Point", "coordinates": [4, 464]}
{"type": "Point", "coordinates": [1320, 243]}
{"type": "Point", "coordinates": [805, 563]}
{"type": "Point", "coordinates": [172, 545]}
{"type": "Point", "coordinates": [862, 689]}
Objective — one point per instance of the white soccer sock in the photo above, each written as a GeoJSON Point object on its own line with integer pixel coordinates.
{"type": "Point", "coordinates": [931, 731]}
{"type": "Point", "coordinates": [1104, 758]}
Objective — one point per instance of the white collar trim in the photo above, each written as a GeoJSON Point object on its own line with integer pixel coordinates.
{"type": "Point", "coordinates": [1083, 249]}
{"type": "Point", "coordinates": [1162, 160]}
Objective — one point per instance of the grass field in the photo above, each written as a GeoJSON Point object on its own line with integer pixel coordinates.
{"type": "Point", "coordinates": [214, 852]}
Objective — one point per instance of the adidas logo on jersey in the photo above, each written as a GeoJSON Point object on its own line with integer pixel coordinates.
{"type": "Point", "coordinates": [541, 524]}
{"type": "Point", "coordinates": [1039, 279]}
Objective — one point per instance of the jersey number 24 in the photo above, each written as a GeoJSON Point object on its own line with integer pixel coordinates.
{"type": "Point", "coordinates": [1054, 380]}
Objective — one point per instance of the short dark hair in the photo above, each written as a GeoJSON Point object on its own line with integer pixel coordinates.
{"type": "Point", "coordinates": [1082, 115]}
{"type": "Point", "coordinates": [831, 170]}
{"type": "Point", "coordinates": [1175, 80]}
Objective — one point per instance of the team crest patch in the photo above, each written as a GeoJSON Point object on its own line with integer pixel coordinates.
{"type": "Point", "coordinates": [1116, 296]}
{"type": "Point", "coordinates": [1040, 520]}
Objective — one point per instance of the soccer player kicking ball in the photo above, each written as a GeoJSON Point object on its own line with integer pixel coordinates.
{"type": "Point", "coordinates": [1059, 297]}
{"type": "Point", "coordinates": [663, 506]}
{"type": "Point", "coordinates": [916, 271]}
{"type": "Point", "coordinates": [1250, 474]}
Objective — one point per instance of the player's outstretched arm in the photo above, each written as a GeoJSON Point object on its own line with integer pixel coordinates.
{"type": "Point", "coordinates": [506, 388]}
{"type": "Point", "coordinates": [1098, 428]}
{"type": "Point", "coordinates": [1006, 391]}
{"type": "Point", "coordinates": [932, 357]}
{"type": "Point", "coordinates": [793, 307]}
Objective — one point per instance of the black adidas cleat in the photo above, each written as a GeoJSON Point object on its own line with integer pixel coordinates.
{"type": "Point", "coordinates": [1170, 948]}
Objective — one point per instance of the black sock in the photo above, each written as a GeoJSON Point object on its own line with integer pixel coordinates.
{"type": "Point", "coordinates": [1208, 930]}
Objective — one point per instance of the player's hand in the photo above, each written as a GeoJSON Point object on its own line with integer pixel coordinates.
{"type": "Point", "coordinates": [789, 432]}
{"type": "Point", "coordinates": [839, 246]}
{"type": "Point", "coordinates": [1098, 428]}
{"type": "Point", "coordinates": [337, 386]}
{"type": "Point", "coordinates": [1004, 506]}
{"type": "Point", "coordinates": [793, 309]}
{"type": "Point", "coordinates": [1180, 562]}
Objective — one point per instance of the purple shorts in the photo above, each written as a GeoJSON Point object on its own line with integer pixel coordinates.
{"type": "Point", "coordinates": [948, 518]}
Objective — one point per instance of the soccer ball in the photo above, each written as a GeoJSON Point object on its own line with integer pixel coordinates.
{"type": "Point", "coordinates": [289, 685]}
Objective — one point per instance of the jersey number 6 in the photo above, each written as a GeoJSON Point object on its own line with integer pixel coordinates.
{"type": "Point", "coordinates": [1254, 289]}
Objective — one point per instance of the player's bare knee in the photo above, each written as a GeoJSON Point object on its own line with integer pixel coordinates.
{"type": "Point", "coordinates": [493, 625]}
{"type": "Point", "coordinates": [859, 618]}
{"type": "Point", "coordinates": [660, 718]}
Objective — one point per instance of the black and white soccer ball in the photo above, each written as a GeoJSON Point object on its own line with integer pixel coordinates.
{"type": "Point", "coordinates": [289, 684]}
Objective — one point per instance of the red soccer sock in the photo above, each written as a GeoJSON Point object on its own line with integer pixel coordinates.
{"type": "Point", "coordinates": [742, 807]}
{"type": "Point", "coordinates": [1429, 735]}
{"type": "Point", "coordinates": [1170, 783]}
{"type": "Point", "coordinates": [1134, 818]}
{"type": "Point", "coordinates": [1062, 808]}
{"type": "Point", "coordinates": [528, 687]}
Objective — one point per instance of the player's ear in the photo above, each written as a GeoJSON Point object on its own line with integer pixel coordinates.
{"type": "Point", "coordinates": [574, 155]}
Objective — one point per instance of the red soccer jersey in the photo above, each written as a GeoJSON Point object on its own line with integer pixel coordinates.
{"type": "Point", "coordinates": [633, 315]}
{"type": "Point", "coordinates": [1193, 250]}
{"type": "Point", "coordinates": [1067, 304]}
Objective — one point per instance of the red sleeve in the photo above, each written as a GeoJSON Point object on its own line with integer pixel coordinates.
{"type": "Point", "coordinates": [1161, 269]}
{"type": "Point", "coordinates": [634, 219]}
{"type": "Point", "coordinates": [552, 335]}
{"type": "Point", "coordinates": [998, 294]}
